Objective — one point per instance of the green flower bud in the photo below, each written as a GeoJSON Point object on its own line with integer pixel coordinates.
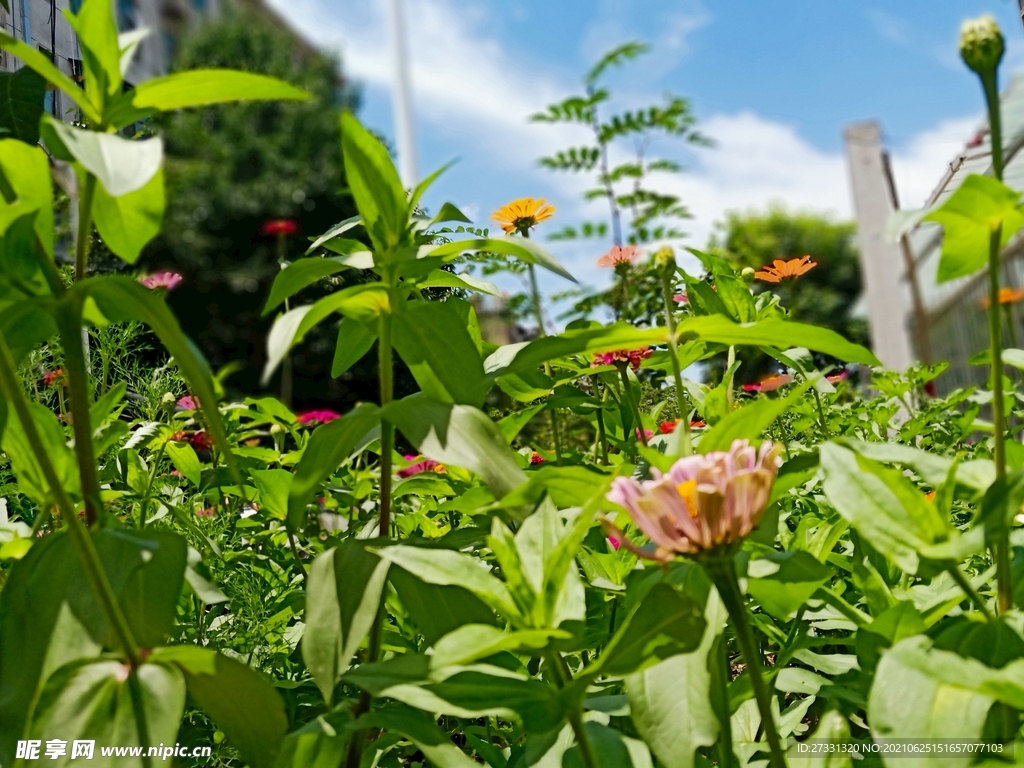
{"type": "Point", "coordinates": [981, 44]}
{"type": "Point", "coordinates": [664, 258]}
{"type": "Point", "coordinates": [747, 274]}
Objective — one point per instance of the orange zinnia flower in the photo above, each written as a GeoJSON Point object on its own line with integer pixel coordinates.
{"type": "Point", "coordinates": [781, 269]}
{"type": "Point", "coordinates": [619, 255]}
{"type": "Point", "coordinates": [1006, 296]}
{"type": "Point", "coordinates": [522, 215]}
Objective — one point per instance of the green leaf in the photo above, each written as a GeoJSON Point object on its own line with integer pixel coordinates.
{"type": "Point", "coordinates": [121, 165]}
{"type": "Point", "coordinates": [447, 568]}
{"type": "Point", "coordinates": [40, 62]}
{"type": "Point", "coordinates": [96, 30]}
{"type": "Point", "coordinates": [26, 469]}
{"type": "Point", "coordinates": [748, 422]}
{"type": "Point", "coordinates": [437, 610]}
{"type": "Point", "coordinates": [566, 486]}
{"type": "Point", "coordinates": [513, 424]}
{"type": "Point", "coordinates": [473, 642]}
{"type": "Point", "coordinates": [184, 459]}
{"type": "Point", "coordinates": [21, 104]}
{"type": "Point", "coordinates": [440, 278]}
{"type": "Point", "coordinates": [320, 743]}
{"type": "Point", "coordinates": [198, 88]}
{"type": "Point", "coordinates": [426, 734]}
{"type": "Point", "coordinates": [669, 702]}
{"type": "Point", "coordinates": [129, 222]}
{"type": "Point", "coordinates": [784, 581]}
{"type": "Point", "coordinates": [890, 512]}
{"type": "Point", "coordinates": [775, 333]}
{"type": "Point", "coordinates": [354, 340]}
{"type": "Point", "coordinates": [273, 486]}
{"type": "Point", "coordinates": [92, 700]}
{"type": "Point", "coordinates": [374, 184]}
{"type": "Point", "coordinates": [664, 623]}
{"type": "Point", "coordinates": [27, 170]}
{"type": "Point", "coordinates": [298, 275]}
{"type": "Point", "coordinates": [834, 727]}
{"type": "Point", "coordinates": [242, 704]}
{"type": "Point", "coordinates": [329, 445]}
{"type": "Point", "coordinates": [460, 436]}
{"type": "Point", "coordinates": [968, 217]}
{"type": "Point", "coordinates": [343, 595]}
{"type": "Point", "coordinates": [610, 749]}
{"type": "Point", "coordinates": [522, 248]}
{"type": "Point", "coordinates": [432, 339]}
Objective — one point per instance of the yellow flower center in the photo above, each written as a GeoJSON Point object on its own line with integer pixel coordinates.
{"type": "Point", "coordinates": [688, 492]}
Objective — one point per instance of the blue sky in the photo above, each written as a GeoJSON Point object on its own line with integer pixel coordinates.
{"type": "Point", "coordinates": [772, 87]}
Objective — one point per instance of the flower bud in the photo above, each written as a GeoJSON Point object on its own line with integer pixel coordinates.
{"type": "Point", "coordinates": [664, 259]}
{"type": "Point", "coordinates": [748, 274]}
{"type": "Point", "coordinates": [276, 429]}
{"type": "Point", "coordinates": [981, 44]}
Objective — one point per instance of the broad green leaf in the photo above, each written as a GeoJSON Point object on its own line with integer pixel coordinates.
{"type": "Point", "coordinates": [184, 459]}
{"type": "Point", "coordinates": [273, 486]}
{"type": "Point", "coordinates": [784, 581]}
{"type": "Point", "coordinates": [775, 333]}
{"type": "Point", "coordinates": [27, 170]}
{"type": "Point", "coordinates": [460, 436]}
{"type": "Point", "coordinates": [566, 486]}
{"type": "Point", "coordinates": [354, 340]}
{"type": "Point", "coordinates": [610, 749]}
{"type": "Point", "coordinates": [523, 249]}
{"type": "Point", "coordinates": [92, 700]}
{"type": "Point", "coordinates": [343, 596]}
{"type": "Point", "coordinates": [26, 469]}
{"type": "Point", "coordinates": [968, 217]}
{"type": "Point", "coordinates": [433, 340]}
{"type": "Point", "coordinates": [338, 229]}
{"type": "Point", "coordinates": [329, 445]}
{"type": "Point", "coordinates": [473, 642]}
{"type": "Point", "coordinates": [121, 165]}
{"type": "Point", "coordinates": [237, 698]}
{"type": "Point", "coordinates": [298, 275]}
{"type": "Point", "coordinates": [437, 610]}
{"type": "Point", "coordinates": [197, 88]}
{"type": "Point", "coordinates": [440, 278]}
{"type": "Point", "coordinates": [890, 512]}
{"type": "Point", "coordinates": [374, 184]}
{"type": "Point", "coordinates": [447, 568]}
{"type": "Point", "coordinates": [976, 475]}
{"type": "Point", "coordinates": [127, 223]}
{"type": "Point", "coordinates": [748, 422]}
{"type": "Point", "coordinates": [834, 727]}
{"type": "Point", "coordinates": [96, 30]}
{"type": "Point", "coordinates": [664, 623]}
{"type": "Point", "coordinates": [320, 743]}
{"type": "Point", "coordinates": [21, 105]}
{"type": "Point", "coordinates": [40, 62]}
{"type": "Point", "coordinates": [513, 424]}
{"type": "Point", "coordinates": [421, 729]}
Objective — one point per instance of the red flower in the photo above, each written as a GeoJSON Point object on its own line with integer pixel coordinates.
{"type": "Point", "coordinates": [536, 458]}
{"type": "Point", "coordinates": [286, 227]}
{"type": "Point", "coordinates": [201, 441]}
{"type": "Point", "coordinates": [835, 379]}
{"type": "Point", "coordinates": [206, 512]}
{"type": "Point", "coordinates": [317, 417]}
{"type": "Point", "coordinates": [165, 279]}
{"type": "Point", "coordinates": [631, 356]}
{"type": "Point", "coordinates": [770, 384]}
{"type": "Point", "coordinates": [53, 377]}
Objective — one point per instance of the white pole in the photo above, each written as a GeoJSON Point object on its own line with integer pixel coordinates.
{"type": "Point", "coordinates": [401, 96]}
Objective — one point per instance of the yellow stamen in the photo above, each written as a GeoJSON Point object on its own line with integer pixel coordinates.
{"type": "Point", "coordinates": [688, 492]}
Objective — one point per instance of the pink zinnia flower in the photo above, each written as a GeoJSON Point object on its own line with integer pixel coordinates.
{"type": "Point", "coordinates": [631, 356]}
{"type": "Point", "coordinates": [317, 417]}
{"type": "Point", "coordinates": [206, 512]}
{"type": "Point", "coordinates": [286, 227]}
{"type": "Point", "coordinates": [702, 502]}
{"type": "Point", "coordinates": [614, 541]}
{"type": "Point", "coordinates": [681, 298]}
{"type": "Point", "coordinates": [536, 458]}
{"type": "Point", "coordinates": [770, 384]}
{"type": "Point", "coordinates": [164, 279]}
{"type": "Point", "coordinates": [619, 255]}
{"type": "Point", "coordinates": [423, 465]}
{"type": "Point", "coordinates": [648, 434]}
{"type": "Point", "coordinates": [836, 378]}
{"type": "Point", "coordinates": [188, 403]}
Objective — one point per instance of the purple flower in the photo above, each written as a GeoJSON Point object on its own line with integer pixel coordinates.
{"type": "Point", "coordinates": [165, 279]}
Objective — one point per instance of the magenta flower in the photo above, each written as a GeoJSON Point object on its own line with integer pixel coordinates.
{"type": "Point", "coordinates": [836, 378]}
{"type": "Point", "coordinates": [188, 403]}
{"type": "Point", "coordinates": [681, 298]}
{"type": "Point", "coordinates": [702, 502]}
{"type": "Point", "coordinates": [631, 356]}
{"type": "Point", "coordinates": [423, 465]}
{"type": "Point", "coordinates": [165, 279]}
{"type": "Point", "coordinates": [536, 458]}
{"type": "Point", "coordinates": [322, 416]}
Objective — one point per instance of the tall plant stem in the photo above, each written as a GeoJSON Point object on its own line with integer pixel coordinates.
{"type": "Point", "coordinates": [287, 376]}
{"type": "Point", "coordinates": [969, 590]}
{"type": "Point", "coordinates": [634, 408]}
{"type": "Point", "coordinates": [78, 390]}
{"type": "Point", "coordinates": [13, 392]}
{"type": "Point", "coordinates": [722, 570]}
{"type": "Point", "coordinates": [563, 675]}
{"type": "Point", "coordinates": [84, 236]}
{"type": "Point", "coordinates": [556, 437]}
{"type": "Point", "coordinates": [673, 350]}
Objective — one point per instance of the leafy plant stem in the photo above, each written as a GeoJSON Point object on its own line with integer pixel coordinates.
{"type": "Point", "coordinates": [821, 414]}
{"type": "Point", "coordinates": [84, 236]}
{"type": "Point", "coordinates": [964, 583]}
{"type": "Point", "coordinates": [77, 377]}
{"type": "Point", "coordinates": [627, 392]}
{"type": "Point", "coordinates": [851, 612]}
{"type": "Point", "coordinates": [387, 430]}
{"type": "Point", "coordinates": [563, 676]}
{"type": "Point", "coordinates": [13, 392]}
{"type": "Point", "coordinates": [144, 509]}
{"type": "Point", "coordinates": [673, 351]}
{"type": "Point", "coordinates": [295, 553]}
{"type": "Point", "coordinates": [139, 710]}
{"type": "Point", "coordinates": [722, 570]}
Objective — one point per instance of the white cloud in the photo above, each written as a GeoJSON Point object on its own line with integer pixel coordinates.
{"type": "Point", "coordinates": [474, 96]}
{"type": "Point", "coordinates": [892, 28]}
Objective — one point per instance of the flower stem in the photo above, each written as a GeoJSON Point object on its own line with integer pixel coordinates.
{"type": "Point", "coordinates": [627, 392]}
{"type": "Point", "coordinates": [563, 675]}
{"type": "Point", "coordinates": [84, 236]}
{"type": "Point", "coordinates": [538, 310]}
{"type": "Point", "coordinates": [969, 590]}
{"type": "Point", "coordinates": [722, 570]}
{"type": "Point", "coordinates": [673, 350]}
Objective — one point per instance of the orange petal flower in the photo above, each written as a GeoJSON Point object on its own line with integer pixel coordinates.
{"type": "Point", "coordinates": [619, 255]}
{"type": "Point", "coordinates": [522, 215]}
{"type": "Point", "coordinates": [781, 269]}
{"type": "Point", "coordinates": [1006, 296]}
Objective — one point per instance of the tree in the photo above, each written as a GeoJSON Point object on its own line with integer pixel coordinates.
{"type": "Point", "coordinates": [232, 168]}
